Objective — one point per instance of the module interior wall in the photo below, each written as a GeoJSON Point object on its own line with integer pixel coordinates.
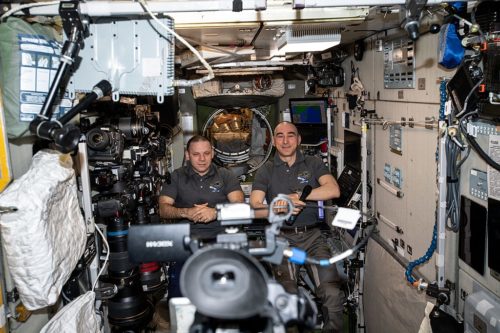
{"type": "Point", "coordinates": [414, 213]}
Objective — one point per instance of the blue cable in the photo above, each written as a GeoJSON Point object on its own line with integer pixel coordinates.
{"type": "Point", "coordinates": [459, 6]}
{"type": "Point", "coordinates": [442, 99]}
{"type": "Point", "coordinates": [426, 257]}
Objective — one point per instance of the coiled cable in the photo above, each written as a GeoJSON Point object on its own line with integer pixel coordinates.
{"type": "Point", "coordinates": [423, 259]}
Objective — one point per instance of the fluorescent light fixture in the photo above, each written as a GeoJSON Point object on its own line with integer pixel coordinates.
{"type": "Point", "coordinates": [307, 47]}
{"type": "Point", "coordinates": [308, 38]}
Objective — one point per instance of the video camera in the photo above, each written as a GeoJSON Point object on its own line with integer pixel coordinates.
{"type": "Point", "coordinates": [225, 281]}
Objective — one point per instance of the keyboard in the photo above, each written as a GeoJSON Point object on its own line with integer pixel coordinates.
{"type": "Point", "coordinates": [349, 181]}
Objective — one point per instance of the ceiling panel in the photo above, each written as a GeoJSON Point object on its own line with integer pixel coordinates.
{"type": "Point", "coordinates": [222, 35]}
{"type": "Point", "coordinates": [258, 29]}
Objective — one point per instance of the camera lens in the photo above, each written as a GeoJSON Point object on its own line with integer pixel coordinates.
{"type": "Point", "coordinates": [117, 233]}
{"type": "Point", "coordinates": [130, 307]}
{"type": "Point", "coordinates": [98, 139]}
{"type": "Point", "coordinates": [152, 277]}
{"type": "Point", "coordinates": [132, 128]}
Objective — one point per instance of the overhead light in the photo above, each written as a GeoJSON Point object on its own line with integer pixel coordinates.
{"type": "Point", "coordinates": [307, 47]}
{"type": "Point", "coordinates": [278, 58]}
{"type": "Point", "coordinates": [260, 5]}
{"type": "Point", "coordinates": [308, 38]}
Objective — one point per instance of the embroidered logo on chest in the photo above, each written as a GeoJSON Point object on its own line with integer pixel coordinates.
{"type": "Point", "coordinates": [303, 177]}
{"type": "Point", "coordinates": [216, 187]}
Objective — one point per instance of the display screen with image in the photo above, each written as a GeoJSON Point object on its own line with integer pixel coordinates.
{"type": "Point", "coordinates": [311, 111]}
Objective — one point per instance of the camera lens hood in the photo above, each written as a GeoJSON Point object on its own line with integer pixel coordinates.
{"type": "Point", "coordinates": [224, 284]}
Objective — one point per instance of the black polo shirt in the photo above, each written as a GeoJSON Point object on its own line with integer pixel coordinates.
{"type": "Point", "coordinates": [277, 177]}
{"type": "Point", "coordinates": [188, 188]}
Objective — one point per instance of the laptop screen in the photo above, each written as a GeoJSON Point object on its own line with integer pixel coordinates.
{"type": "Point", "coordinates": [308, 111]}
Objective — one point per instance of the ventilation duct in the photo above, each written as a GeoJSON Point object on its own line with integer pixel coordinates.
{"type": "Point", "coordinates": [309, 38]}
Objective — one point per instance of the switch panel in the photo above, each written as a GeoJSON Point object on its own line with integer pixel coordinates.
{"type": "Point", "coordinates": [387, 173]}
{"type": "Point", "coordinates": [397, 178]}
{"type": "Point", "coordinates": [399, 64]}
{"type": "Point", "coordinates": [395, 140]}
{"type": "Point", "coordinates": [478, 184]}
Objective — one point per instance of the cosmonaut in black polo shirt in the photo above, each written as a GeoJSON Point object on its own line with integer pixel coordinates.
{"type": "Point", "coordinates": [196, 188]}
{"type": "Point", "coordinates": [288, 173]}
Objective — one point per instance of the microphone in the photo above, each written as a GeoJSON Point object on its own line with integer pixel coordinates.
{"type": "Point", "coordinates": [305, 193]}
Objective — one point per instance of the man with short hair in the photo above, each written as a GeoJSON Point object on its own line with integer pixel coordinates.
{"type": "Point", "coordinates": [192, 194]}
{"type": "Point", "coordinates": [196, 188]}
{"type": "Point", "coordinates": [288, 173]}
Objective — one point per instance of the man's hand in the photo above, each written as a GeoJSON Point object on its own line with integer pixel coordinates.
{"type": "Point", "coordinates": [203, 214]}
{"type": "Point", "coordinates": [198, 213]}
{"type": "Point", "coordinates": [297, 204]}
{"type": "Point", "coordinates": [281, 206]}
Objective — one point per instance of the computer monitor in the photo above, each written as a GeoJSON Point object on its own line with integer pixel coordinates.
{"type": "Point", "coordinates": [308, 111]}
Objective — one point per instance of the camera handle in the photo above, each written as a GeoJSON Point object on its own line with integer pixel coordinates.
{"type": "Point", "coordinates": [280, 210]}
{"type": "Point", "coordinates": [275, 246]}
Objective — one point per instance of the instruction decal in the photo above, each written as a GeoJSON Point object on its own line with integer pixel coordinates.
{"type": "Point", "coordinates": [39, 61]}
{"type": "Point", "coordinates": [494, 175]}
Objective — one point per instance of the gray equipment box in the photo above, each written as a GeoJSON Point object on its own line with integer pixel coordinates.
{"type": "Point", "coordinates": [135, 56]}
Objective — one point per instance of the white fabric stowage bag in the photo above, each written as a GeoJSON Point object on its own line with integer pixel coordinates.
{"type": "Point", "coordinates": [76, 317]}
{"type": "Point", "coordinates": [44, 239]}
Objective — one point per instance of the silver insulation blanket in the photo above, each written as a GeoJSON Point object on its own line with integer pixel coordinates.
{"type": "Point", "coordinates": [44, 239]}
{"type": "Point", "coordinates": [76, 317]}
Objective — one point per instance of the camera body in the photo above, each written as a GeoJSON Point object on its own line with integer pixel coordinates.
{"type": "Point", "coordinates": [105, 143]}
{"type": "Point", "coordinates": [331, 76]}
{"type": "Point", "coordinates": [213, 274]}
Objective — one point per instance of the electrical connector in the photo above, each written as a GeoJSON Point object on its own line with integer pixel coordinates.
{"type": "Point", "coordinates": [295, 255]}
